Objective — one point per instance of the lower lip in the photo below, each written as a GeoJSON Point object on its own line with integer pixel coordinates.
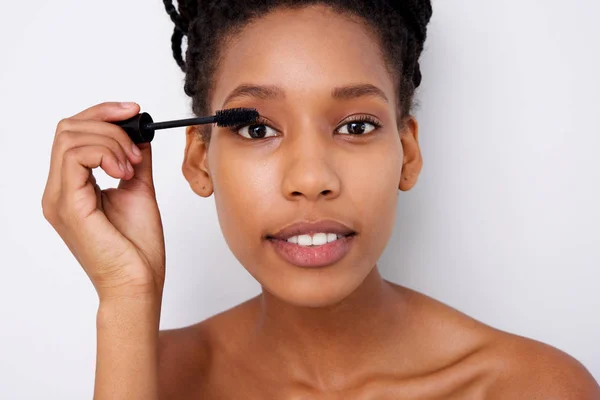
{"type": "Point", "coordinates": [313, 256]}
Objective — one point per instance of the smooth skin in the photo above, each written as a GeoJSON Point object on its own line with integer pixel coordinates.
{"type": "Point", "coordinates": [338, 332]}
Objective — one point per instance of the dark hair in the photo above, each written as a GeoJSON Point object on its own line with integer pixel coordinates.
{"type": "Point", "coordinates": [401, 26]}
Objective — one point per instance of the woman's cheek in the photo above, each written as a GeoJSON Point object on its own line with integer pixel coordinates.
{"type": "Point", "coordinates": [374, 172]}
{"type": "Point", "coordinates": [372, 185]}
{"type": "Point", "coordinates": [245, 189]}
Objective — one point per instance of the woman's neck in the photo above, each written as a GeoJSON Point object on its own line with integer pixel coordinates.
{"type": "Point", "coordinates": [324, 345]}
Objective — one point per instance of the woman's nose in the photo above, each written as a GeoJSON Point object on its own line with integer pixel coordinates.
{"type": "Point", "coordinates": [309, 171]}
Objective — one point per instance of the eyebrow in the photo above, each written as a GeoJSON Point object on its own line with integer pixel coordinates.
{"type": "Point", "coordinates": [272, 92]}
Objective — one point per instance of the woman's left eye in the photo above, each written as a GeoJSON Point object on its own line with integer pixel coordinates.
{"type": "Point", "coordinates": [359, 126]}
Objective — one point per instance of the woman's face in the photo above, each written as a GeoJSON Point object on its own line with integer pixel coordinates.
{"type": "Point", "coordinates": [318, 155]}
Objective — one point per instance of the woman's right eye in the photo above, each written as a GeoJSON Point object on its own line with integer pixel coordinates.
{"type": "Point", "coordinates": [255, 131]}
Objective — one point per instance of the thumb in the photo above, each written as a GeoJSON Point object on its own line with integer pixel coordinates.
{"type": "Point", "coordinates": [142, 170]}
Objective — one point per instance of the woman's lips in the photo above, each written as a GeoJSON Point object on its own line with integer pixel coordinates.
{"type": "Point", "coordinates": [313, 256]}
{"type": "Point", "coordinates": [310, 228]}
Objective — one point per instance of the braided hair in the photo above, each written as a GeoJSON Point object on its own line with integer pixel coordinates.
{"type": "Point", "coordinates": [401, 26]}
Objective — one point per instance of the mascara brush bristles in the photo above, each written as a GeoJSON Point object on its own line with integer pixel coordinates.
{"type": "Point", "coordinates": [236, 116]}
{"type": "Point", "coordinates": [228, 117]}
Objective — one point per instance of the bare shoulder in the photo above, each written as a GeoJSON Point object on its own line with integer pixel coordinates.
{"type": "Point", "coordinates": [184, 358]}
{"type": "Point", "coordinates": [529, 369]}
{"type": "Point", "coordinates": [510, 366]}
{"type": "Point", "coordinates": [187, 354]}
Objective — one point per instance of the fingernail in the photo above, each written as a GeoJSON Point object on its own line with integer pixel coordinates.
{"type": "Point", "coordinates": [129, 167]}
{"type": "Point", "coordinates": [127, 104]}
{"type": "Point", "coordinates": [121, 167]}
{"type": "Point", "coordinates": [136, 150]}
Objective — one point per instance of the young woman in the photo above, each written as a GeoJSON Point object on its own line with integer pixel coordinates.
{"type": "Point", "coordinates": [306, 199]}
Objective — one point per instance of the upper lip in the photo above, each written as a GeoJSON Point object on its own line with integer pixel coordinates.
{"type": "Point", "coordinates": [310, 228]}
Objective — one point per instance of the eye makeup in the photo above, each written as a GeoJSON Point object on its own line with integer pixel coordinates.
{"type": "Point", "coordinates": [354, 119]}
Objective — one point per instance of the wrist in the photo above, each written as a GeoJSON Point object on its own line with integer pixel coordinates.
{"type": "Point", "coordinates": [144, 309]}
{"type": "Point", "coordinates": [142, 291]}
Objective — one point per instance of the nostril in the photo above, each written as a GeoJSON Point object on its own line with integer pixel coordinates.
{"type": "Point", "coordinates": [323, 192]}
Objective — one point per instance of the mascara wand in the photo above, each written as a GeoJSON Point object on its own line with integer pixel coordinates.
{"type": "Point", "coordinates": [141, 127]}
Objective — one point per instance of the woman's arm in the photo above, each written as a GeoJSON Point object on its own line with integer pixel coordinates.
{"type": "Point", "coordinates": [116, 235]}
{"type": "Point", "coordinates": [127, 352]}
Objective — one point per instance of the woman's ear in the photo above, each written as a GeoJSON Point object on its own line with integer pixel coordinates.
{"type": "Point", "coordinates": [413, 161]}
{"type": "Point", "coordinates": [195, 163]}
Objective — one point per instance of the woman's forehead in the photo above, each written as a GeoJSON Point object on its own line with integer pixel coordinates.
{"type": "Point", "coordinates": [301, 55]}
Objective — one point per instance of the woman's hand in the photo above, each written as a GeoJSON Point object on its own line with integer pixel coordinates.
{"type": "Point", "coordinates": [115, 234]}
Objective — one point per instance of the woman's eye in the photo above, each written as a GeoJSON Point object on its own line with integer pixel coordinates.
{"type": "Point", "coordinates": [256, 131]}
{"type": "Point", "coordinates": [359, 127]}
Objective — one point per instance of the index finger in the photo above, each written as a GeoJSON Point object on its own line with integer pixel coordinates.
{"type": "Point", "coordinates": [108, 111]}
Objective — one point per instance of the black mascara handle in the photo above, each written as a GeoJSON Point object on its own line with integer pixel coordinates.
{"type": "Point", "coordinates": [136, 128]}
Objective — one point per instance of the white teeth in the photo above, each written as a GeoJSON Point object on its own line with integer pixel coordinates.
{"type": "Point", "coordinates": [304, 240]}
{"type": "Point", "coordinates": [318, 239]}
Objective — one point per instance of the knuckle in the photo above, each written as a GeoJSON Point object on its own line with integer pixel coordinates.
{"type": "Point", "coordinates": [70, 154]}
{"type": "Point", "coordinates": [63, 125]}
{"type": "Point", "coordinates": [75, 155]}
{"type": "Point", "coordinates": [64, 138]}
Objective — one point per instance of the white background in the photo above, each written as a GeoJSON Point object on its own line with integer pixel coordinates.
{"type": "Point", "coordinates": [502, 225]}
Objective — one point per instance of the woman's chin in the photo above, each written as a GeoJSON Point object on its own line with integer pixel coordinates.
{"type": "Point", "coordinates": [314, 292]}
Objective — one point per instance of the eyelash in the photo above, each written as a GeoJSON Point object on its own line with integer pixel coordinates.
{"type": "Point", "coordinates": [355, 118]}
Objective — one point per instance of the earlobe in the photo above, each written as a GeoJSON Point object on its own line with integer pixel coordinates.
{"type": "Point", "coordinates": [413, 160]}
{"type": "Point", "coordinates": [195, 164]}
